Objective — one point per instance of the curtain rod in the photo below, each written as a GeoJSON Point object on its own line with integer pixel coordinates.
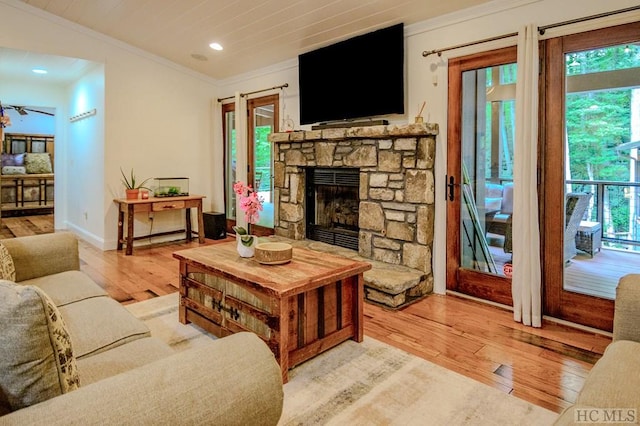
{"type": "Point", "coordinates": [544, 28]}
{"type": "Point", "coordinates": [486, 40]}
{"type": "Point", "coordinates": [282, 86]}
{"type": "Point", "coordinates": [541, 30]}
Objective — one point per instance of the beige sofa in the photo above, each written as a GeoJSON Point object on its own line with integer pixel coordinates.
{"type": "Point", "coordinates": [610, 392]}
{"type": "Point", "coordinates": [126, 375]}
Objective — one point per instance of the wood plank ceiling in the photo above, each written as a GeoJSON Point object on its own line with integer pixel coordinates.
{"type": "Point", "coordinates": [254, 33]}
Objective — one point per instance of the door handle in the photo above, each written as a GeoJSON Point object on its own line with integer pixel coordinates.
{"type": "Point", "coordinates": [449, 187]}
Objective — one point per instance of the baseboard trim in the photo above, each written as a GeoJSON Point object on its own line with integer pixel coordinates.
{"type": "Point", "coordinates": [544, 317]}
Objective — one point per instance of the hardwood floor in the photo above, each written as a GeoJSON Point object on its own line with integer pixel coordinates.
{"type": "Point", "coordinates": [20, 226]}
{"type": "Point", "coordinates": [545, 366]}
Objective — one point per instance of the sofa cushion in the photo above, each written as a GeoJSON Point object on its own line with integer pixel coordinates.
{"type": "Point", "coordinates": [615, 379]}
{"type": "Point", "coordinates": [67, 287]}
{"type": "Point", "coordinates": [7, 267]}
{"type": "Point", "coordinates": [38, 163]}
{"type": "Point", "coordinates": [507, 199]}
{"type": "Point", "coordinates": [121, 359]}
{"type": "Point", "coordinates": [98, 324]}
{"type": "Point", "coordinates": [492, 204]}
{"type": "Point", "coordinates": [36, 354]}
{"type": "Point", "coordinates": [43, 254]}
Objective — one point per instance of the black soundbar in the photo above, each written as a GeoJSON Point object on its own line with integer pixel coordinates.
{"type": "Point", "coordinates": [341, 124]}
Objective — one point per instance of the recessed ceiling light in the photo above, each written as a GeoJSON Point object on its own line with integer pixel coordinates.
{"type": "Point", "coordinates": [39, 71]}
{"type": "Point", "coordinates": [216, 46]}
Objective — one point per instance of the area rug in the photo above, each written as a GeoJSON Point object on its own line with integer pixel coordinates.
{"type": "Point", "coordinates": [368, 383]}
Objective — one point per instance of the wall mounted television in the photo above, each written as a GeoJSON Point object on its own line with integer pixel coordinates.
{"type": "Point", "coordinates": [359, 78]}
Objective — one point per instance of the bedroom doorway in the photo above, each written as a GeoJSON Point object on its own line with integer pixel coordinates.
{"type": "Point", "coordinates": [27, 184]}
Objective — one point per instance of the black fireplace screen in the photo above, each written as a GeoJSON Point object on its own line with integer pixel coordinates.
{"type": "Point", "coordinates": [332, 206]}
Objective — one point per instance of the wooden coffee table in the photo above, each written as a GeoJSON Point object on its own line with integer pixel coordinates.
{"type": "Point", "coordinates": [299, 309]}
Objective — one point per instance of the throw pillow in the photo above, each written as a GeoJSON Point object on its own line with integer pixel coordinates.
{"type": "Point", "coordinates": [14, 170]}
{"type": "Point", "coordinates": [7, 268]}
{"type": "Point", "coordinates": [36, 355]}
{"type": "Point", "coordinates": [38, 163]}
{"type": "Point", "coordinates": [12, 159]}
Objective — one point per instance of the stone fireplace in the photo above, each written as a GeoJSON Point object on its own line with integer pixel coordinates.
{"type": "Point", "coordinates": [394, 166]}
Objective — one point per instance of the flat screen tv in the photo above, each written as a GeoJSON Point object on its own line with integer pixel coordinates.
{"type": "Point", "coordinates": [362, 77]}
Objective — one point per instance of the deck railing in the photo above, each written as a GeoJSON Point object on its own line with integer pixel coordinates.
{"type": "Point", "coordinates": [265, 178]}
{"type": "Point", "coordinates": [616, 205]}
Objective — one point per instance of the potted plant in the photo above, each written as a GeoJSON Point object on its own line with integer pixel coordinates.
{"type": "Point", "coordinates": [251, 204]}
{"type": "Point", "coordinates": [132, 188]}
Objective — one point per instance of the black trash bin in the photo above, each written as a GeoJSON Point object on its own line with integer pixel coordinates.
{"type": "Point", "coordinates": [214, 225]}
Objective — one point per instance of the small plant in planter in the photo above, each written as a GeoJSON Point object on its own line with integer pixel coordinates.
{"type": "Point", "coordinates": [132, 187]}
{"type": "Point", "coordinates": [244, 236]}
{"type": "Point", "coordinates": [251, 204]}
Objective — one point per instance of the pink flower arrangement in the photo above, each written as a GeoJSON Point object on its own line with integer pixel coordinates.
{"type": "Point", "coordinates": [250, 202]}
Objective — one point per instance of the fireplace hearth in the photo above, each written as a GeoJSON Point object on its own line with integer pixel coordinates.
{"type": "Point", "coordinates": [332, 205]}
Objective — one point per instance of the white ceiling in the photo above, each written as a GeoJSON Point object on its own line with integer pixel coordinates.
{"type": "Point", "coordinates": [17, 65]}
{"type": "Point", "coordinates": [254, 33]}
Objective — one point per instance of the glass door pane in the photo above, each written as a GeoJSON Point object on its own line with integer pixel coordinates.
{"type": "Point", "coordinates": [488, 132]}
{"type": "Point", "coordinates": [602, 182]}
{"type": "Point", "coordinates": [480, 137]}
{"type": "Point", "coordinates": [263, 119]}
{"type": "Point", "coordinates": [229, 128]}
{"type": "Point", "coordinates": [262, 155]}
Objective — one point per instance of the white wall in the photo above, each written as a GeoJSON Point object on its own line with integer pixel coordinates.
{"type": "Point", "coordinates": [155, 117]}
{"type": "Point", "coordinates": [84, 153]}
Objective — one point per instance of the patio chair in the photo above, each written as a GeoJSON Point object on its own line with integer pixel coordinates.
{"type": "Point", "coordinates": [499, 205]}
{"type": "Point", "coordinates": [576, 205]}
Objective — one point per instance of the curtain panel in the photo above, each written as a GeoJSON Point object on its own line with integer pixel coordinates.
{"type": "Point", "coordinates": [526, 279]}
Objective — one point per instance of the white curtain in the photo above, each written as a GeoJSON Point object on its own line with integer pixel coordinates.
{"type": "Point", "coordinates": [241, 151]}
{"type": "Point", "coordinates": [526, 282]}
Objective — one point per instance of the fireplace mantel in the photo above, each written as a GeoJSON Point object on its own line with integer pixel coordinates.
{"type": "Point", "coordinates": [397, 194]}
{"type": "Point", "coordinates": [346, 133]}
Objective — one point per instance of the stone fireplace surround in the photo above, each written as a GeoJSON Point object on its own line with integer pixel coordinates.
{"type": "Point", "coordinates": [397, 196]}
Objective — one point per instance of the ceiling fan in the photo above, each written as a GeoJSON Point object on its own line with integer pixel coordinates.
{"type": "Point", "coordinates": [22, 110]}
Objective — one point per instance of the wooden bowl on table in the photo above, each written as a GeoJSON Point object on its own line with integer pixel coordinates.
{"type": "Point", "coordinates": [275, 253]}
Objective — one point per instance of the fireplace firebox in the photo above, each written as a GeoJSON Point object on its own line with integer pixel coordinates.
{"type": "Point", "coordinates": [332, 203]}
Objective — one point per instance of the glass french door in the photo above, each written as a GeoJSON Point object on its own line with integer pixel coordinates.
{"type": "Point", "coordinates": [262, 120]}
{"type": "Point", "coordinates": [480, 174]}
{"type": "Point", "coordinates": [229, 134]}
{"type": "Point", "coordinates": [591, 167]}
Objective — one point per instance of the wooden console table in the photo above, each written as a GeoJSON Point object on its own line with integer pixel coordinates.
{"type": "Point", "coordinates": [130, 207]}
{"type": "Point", "coordinates": [299, 309]}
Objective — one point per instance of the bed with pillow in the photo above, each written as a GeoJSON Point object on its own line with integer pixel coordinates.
{"type": "Point", "coordinates": [27, 175]}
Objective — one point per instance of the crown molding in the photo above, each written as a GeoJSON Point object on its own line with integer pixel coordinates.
{"type": "Point", "coordinates": [474, 12]}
